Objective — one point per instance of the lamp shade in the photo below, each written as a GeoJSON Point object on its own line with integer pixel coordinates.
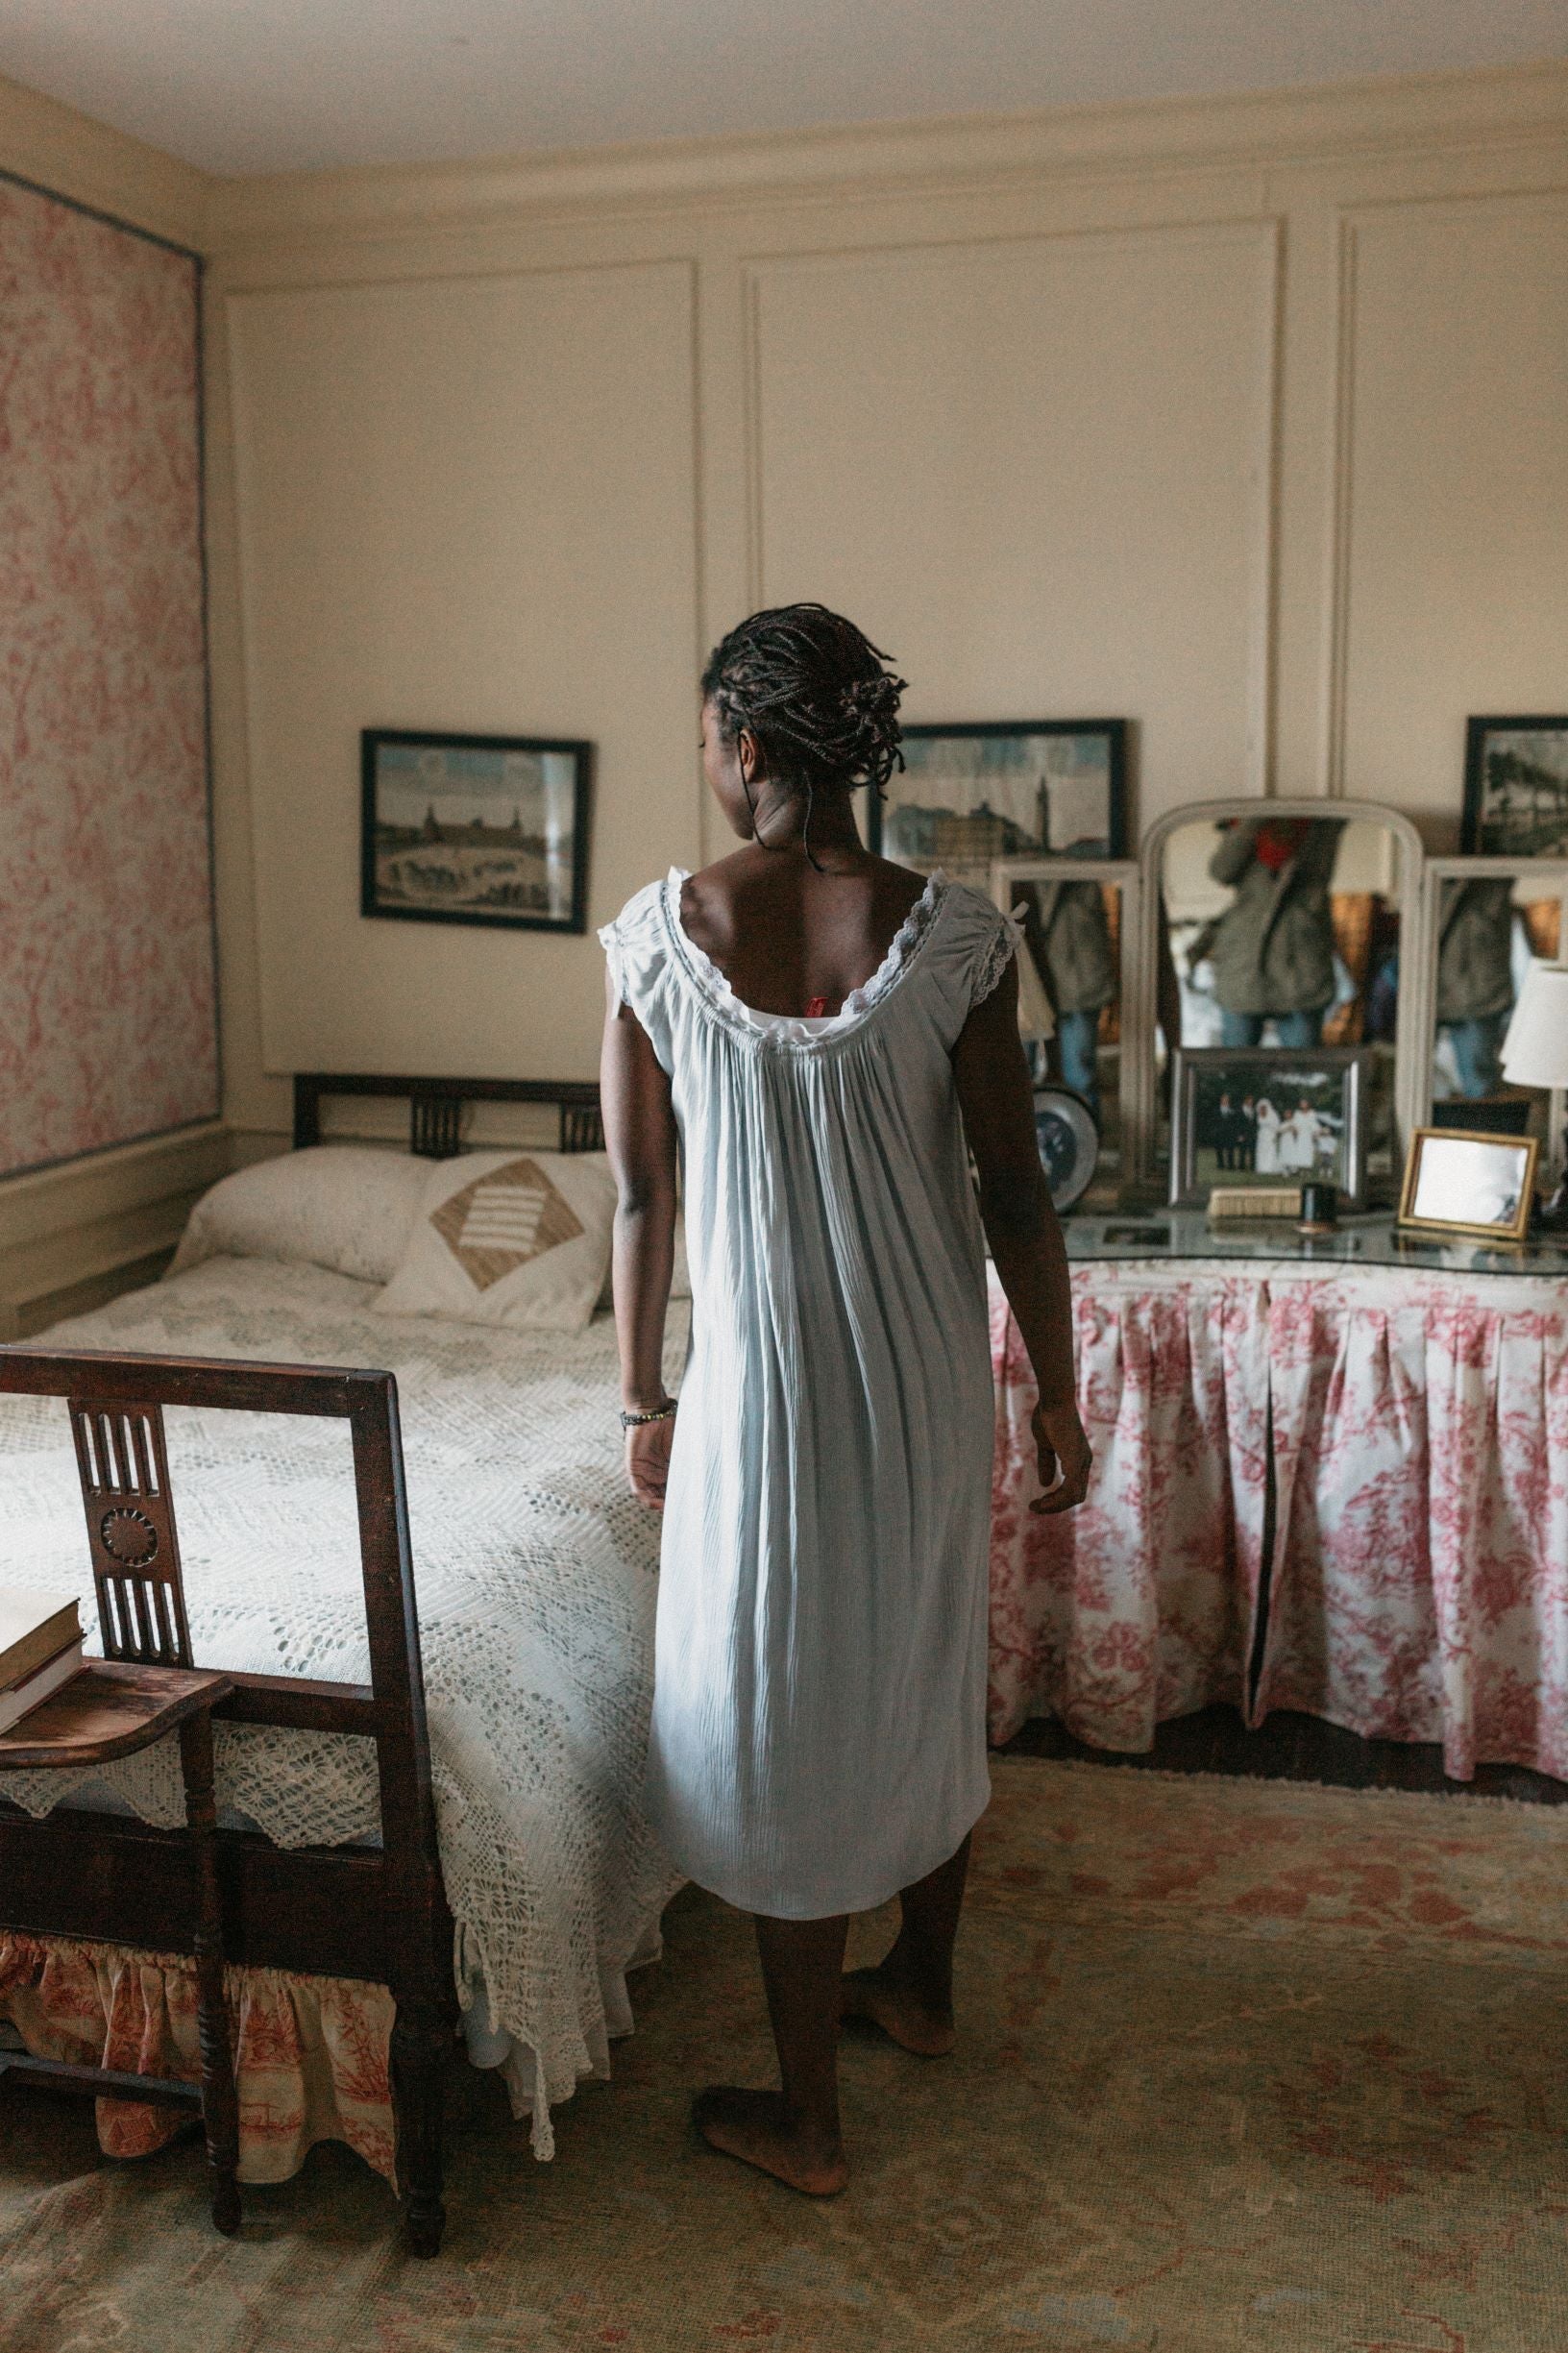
{"type": "Point", "coordinates": [1535, 1049]}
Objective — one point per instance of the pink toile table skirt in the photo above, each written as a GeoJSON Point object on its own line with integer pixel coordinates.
{"type": "Point", "coordinates": [310, 2053]}
{"type": "Point", "coordinates": [1399, 1440]}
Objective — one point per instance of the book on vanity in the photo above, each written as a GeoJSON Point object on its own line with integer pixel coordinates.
{"type": "Point", "coordinates": [41, 1647]}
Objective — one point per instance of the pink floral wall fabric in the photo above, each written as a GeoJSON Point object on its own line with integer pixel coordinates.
{"type": "Point", "coordinates": [108, 1002]}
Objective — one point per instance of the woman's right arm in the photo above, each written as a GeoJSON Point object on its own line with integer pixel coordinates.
{"type": "Point", "coordinates": [997, 1102]}
{"type": "Point", "coordinates": [640, 1138]}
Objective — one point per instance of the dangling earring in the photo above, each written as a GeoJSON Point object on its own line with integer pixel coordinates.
{"type": "Point", "coordinates": [750, 804]}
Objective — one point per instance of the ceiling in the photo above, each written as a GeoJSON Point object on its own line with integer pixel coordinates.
{"type": "Point", "coordinates": [262, 85]}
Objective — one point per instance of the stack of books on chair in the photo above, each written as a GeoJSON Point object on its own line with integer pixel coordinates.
{"type": "Point", "coordinates": [41, 1647]}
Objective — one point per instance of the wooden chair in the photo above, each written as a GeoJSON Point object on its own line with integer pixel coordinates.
{"type": "Point", "coordinates": [143, 1687]}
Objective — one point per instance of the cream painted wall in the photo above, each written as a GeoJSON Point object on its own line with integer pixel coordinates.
{"type": "Point", "coordinates": [1015, 461]}
{"type": "Point", "coordinates": [1454, 516]}
{"type": "Point", "coordinates": [1249, 422]}
{"type": "Point", "coordinates": [466, 503]}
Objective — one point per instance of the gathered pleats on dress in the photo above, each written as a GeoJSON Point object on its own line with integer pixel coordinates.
{"type": "Point", "coordinates": [818, 1737]}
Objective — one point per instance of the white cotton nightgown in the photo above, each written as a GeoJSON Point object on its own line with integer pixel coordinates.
{"type": "Point", "coordinates": [818, 1738]}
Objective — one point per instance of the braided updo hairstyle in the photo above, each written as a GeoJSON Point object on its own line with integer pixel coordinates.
{"type": "Point", "coordinates": [813, 691]}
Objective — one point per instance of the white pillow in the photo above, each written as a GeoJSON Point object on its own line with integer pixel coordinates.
{"type": "Point", "coordinates": [344, 1206]}
{"type": "Point", "coordinates": [520, 1238]}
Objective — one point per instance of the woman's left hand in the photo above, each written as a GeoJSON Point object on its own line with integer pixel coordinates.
{"type": "Point", "coordinates": [648, 1459]}
{"type": "Point", "coordinates": [1064, 1457]}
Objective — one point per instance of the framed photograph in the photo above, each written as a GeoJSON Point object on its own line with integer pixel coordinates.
{"type": "Point", "coordinates": [475, 829]}
{"type": "Point", "coordinates": [1268, 1117]}
{"type": "Point", "coordinates": [1459, 1182]}
{"type": "Point", "coordinates": [1515, 788]}
{"type": "Point", "coordinates": [1069, 1143]}
{"type": "Point", "coordinates": [981, 790]}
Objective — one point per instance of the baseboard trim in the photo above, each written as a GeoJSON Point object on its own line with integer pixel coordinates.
{"type": "Point", "coordinates": [74, 1237]}
{"type": "Point", "coordinates": [41, 1203]}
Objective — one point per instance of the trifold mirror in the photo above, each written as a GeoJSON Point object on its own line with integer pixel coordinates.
{"type": "Point", "coordinates": [1079, 1008]}
{"type": "Point", "coordinates": [1279, 925]}
{"type": "Point", "coordinates": [1486, 922]}
{"type": "Point", "coordinates": [1313, 931]}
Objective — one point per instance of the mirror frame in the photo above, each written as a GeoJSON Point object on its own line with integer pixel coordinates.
{"type": "Point", "coordinates": [1410, 900]}
{"type": "Point", "coordinates": [1481, 869]}
{"type": "Point", "coordinates": [1137, 1047]}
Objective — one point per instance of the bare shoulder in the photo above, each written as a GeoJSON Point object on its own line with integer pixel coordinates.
{"type": "Point", "coordinates": [711, 900]}
{"type": "Point", "coordinates": [723, 878]}
{"type": "Point", "coordinates": [896, 886]}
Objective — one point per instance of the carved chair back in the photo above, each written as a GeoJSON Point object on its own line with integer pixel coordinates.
{"type": "Point", "coordinates": [124, 1470]}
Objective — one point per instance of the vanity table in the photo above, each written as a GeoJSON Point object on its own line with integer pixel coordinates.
{"type": "Point", "coordinates": [1331, 1475]}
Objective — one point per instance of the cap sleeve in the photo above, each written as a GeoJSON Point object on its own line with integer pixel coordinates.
{"type": "Point", "coordinates": [981, 942]}
{"type": "Point", "coordinates": [994, 954]}
{"type": "Point", "coordinates": [637, 947]}
{"type": "Point", "coordinates": [971, 947]}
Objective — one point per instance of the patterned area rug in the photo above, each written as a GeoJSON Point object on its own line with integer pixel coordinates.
{"type": "Point", "coordinates": [1242, 2063]}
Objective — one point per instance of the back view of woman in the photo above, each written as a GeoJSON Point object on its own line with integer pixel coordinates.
{"type": "Point", "coordinates": [821, 1043]}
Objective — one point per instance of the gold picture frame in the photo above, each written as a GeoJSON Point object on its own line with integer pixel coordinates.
{"type": "Point", "coordinates": [1512, 1225]}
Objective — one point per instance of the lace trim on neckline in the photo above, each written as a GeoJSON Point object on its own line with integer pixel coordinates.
{"type": "Point", "coordinates": [796, 1029]}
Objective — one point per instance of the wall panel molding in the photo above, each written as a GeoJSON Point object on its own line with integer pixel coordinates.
{"type": "Point", "coordinates": [467, 503]}
{"type": "Point", "coordinates": [985, 154]}
{"type": "Point", "coordinates": [1543, 206]}
{"type": "Point", "coordinates": [1336, 636]}
{"type": "Point", "coordinates": [793, 305]}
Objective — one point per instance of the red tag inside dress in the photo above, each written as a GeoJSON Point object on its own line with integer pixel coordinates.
{"type": "Point", "coordinates": [816, 1008]}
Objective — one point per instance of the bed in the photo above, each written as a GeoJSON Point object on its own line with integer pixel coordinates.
{"type": "Point", "coordinates": [513, 1745]}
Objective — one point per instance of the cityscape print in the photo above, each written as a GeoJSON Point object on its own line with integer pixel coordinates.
{"type": "Point", "coordinates": [475, 829]}
{"type": "Point", "coordinates": [971, 793]}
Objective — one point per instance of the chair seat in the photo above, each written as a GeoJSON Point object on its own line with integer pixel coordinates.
{"type": "Point", "coordinates": [111, 1708]}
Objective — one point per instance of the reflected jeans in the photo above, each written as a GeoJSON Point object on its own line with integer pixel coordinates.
{"type": "Point", "coordinates": [1294, 1030]}
{"type": "Point", "coordinates": [1077, 1037]}
{"type": "Point", "coordinates": [1478, 1052]}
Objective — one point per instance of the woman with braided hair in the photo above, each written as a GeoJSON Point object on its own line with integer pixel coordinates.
{"type": "Point", "coordinates": [820, 1039]}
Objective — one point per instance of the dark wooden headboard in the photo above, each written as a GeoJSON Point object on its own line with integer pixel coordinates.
{"type": "Point", "coordinates": [435, 1106]}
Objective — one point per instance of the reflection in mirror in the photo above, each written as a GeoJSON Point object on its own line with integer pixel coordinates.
{"type": "Point", "coordinates": [1075, 919]}
{"type": "Point", "coordinates": [1457, 1181]}
{"type": "Point", "coordinates": [1281, 931]}
{"type": "Point", "coordinates": [1491, 928]}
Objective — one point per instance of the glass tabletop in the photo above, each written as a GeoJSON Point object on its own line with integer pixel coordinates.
{"type": "Point", "coordinates": [1366, 1239]}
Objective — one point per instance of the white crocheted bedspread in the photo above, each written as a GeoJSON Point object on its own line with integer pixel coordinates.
{"type": "Point", "coordinates": [535, 1576]}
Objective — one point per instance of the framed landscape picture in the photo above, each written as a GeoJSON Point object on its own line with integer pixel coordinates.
{"type": "Point", "coordinates": [475, 829]}
{"type": "Point", "coordinates": [1515, 788]}
{"type": "Point", "coordinates": [984, 789]}
{"type": "Point", "coordinates": [1268, 1116]}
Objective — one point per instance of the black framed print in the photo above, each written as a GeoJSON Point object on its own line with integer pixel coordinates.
{"type": "Point", "coordinates": [1515, 788]}
{"type": "Point", "coordinates": [475, 829]}
{"type": "Point", "coordinates": [985, 789]}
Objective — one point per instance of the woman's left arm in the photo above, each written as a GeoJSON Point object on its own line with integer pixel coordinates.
{"type": "Point", "coordinates": [640, 1137]}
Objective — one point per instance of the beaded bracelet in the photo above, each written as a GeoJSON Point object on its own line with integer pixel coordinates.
{"type": "Point", "coordinates": [659, 1414]}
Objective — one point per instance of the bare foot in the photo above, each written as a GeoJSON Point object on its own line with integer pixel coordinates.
{"type": "Point", "coordinates": [752, 2125]}
{"type": "Point", "coordinates": [887, 2001]}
